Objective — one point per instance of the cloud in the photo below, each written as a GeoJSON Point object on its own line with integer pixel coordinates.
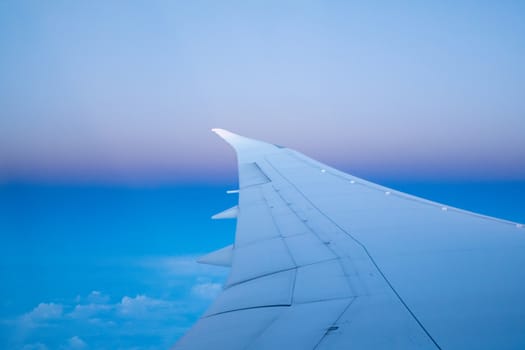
{"type": "Point", "coordinates": [41, 313]}
{"type": "Point", "coordinates": [85, 311]}
{"type": "Point", "coordinates": [45, 311]}
{"type": "Point", "coordinates": [139, 306]}
{"type": "Point", "coordinates": [75, 343]}
{"type": "Point", "coordinates": [142, 306]}
{"type": "Point", "coordinates": [207, 290]}
{"type": "Point", "coordinates": [104, 321]}
{"type": "Point", "coordinates": [96, 303]}
{"type": "Point", "coordinates": [96, 297]}
{"type": "Point", "coordinates": [103, 325]}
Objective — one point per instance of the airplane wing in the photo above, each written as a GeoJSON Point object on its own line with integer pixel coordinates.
{"type": "Point", "coordinates": [326, 260]}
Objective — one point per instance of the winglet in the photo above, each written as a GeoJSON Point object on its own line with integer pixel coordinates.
{"type": "Point", "coordinates": [225, 134]}
{"type": "Point", "coordinates": [233, 139]}
{"type": "Point", "coordinates": [247, 149]}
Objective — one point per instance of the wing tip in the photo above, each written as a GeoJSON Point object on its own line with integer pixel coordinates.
{"type": "Point", "coordinates": [248, 146]}
{"type": "Point", "coordinates": [226, 135]}
{"type": "Point", "coordinates": [222, 132]}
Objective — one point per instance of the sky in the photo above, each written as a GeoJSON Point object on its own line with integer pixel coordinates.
{"type": "Point", "coordinates": [109, 172]}
{"type": "Point", "coordinates": [128, 90]}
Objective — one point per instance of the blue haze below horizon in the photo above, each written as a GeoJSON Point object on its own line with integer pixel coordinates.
{"type": "Point", "coordinates": [60, 244]}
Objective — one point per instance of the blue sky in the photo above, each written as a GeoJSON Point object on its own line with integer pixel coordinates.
{"type": "Point", "coordinates": [109, 173]}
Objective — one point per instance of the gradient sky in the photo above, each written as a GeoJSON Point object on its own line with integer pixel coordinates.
{"type": "Point", "coordinates": [128, 90]}
{"type": "Point", "coordinates": [109, 172]}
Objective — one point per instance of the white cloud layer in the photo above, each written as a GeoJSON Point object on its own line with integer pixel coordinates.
{"type": "Point", "coordinates": [42, 313]}
{"type": "Point", "coordinates": [85, 311]}
{"type": "Point", "coordinates": [207, 290]}
{"type": "Point", "coordinates": [142, 306]}
{"type": "Point", "coordinates": [100, 321]}
{"type": "Point", "coordinates": [130, 317]}
{"type": "Point", "coordinates": [75, 343]}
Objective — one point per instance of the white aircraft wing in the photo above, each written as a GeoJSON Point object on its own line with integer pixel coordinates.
{"type": "Point", "coordinates": [326, 260]}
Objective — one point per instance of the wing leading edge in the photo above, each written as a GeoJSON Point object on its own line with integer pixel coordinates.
{"type": "Point", "coordinates": [326, 260]}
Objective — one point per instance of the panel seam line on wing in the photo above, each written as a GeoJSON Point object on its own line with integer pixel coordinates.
{"type": "Point", "coordinates": [333, 323]}
{"type": "Point", "coordinates": [247, 308]}
{"type": "Point", "coordinates": [365, 250]}
{"type": "Point", "coordinates": [260, 276]}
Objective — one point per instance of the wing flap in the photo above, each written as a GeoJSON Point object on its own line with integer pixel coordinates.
{"type": "Point", "coordinates": [272, 290]}
{"type": "Point", "coordinates": [301, 326]}
{"type": "Point", "coordinates": [260, 259]}
{"type": "Point", "coordinates": [231, 330]}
